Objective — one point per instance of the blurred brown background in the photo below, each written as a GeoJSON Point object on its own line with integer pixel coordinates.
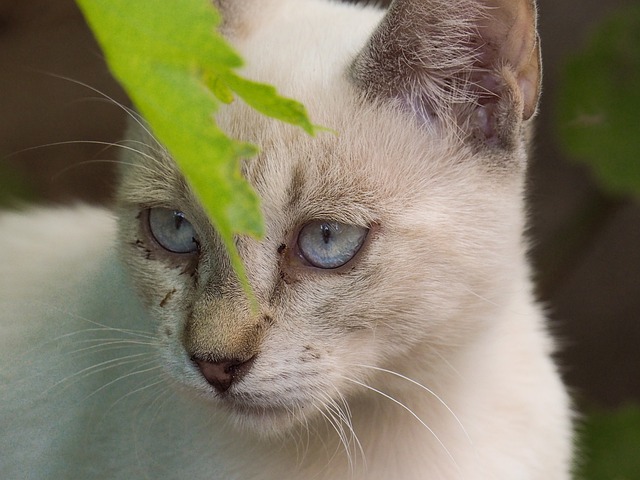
{"type": "Point", "coordinates": [586, 244]}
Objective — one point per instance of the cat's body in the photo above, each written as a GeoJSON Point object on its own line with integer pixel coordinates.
{"type": "Point", "coordinates": [417, 354]}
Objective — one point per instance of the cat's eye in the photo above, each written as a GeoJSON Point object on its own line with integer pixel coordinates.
{"type": "Point", "coordinates": [172, 230]}
{"type": "Point", "coordinates": [326, 244]}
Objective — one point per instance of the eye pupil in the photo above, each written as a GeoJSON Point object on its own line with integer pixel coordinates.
{"type": "Point", "coordinates": [330, 244]}
{"type": "Point", "coordinates": [326, 233]}
{"type": "Point", "coordinates": [172, 231]}
{"type": "Point", "coordinates": [178, 218]}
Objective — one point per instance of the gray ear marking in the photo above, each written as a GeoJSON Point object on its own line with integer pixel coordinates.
{"type": "Point", "coordinates": [232, 14]}
{"type": "Point", "coordinates": [473, 62]}
{"type": "Point", "coordinates": [239, 16]}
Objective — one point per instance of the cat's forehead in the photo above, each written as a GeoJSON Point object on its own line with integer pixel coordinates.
{"type": "Point", "coordinates": [365, 148]}
{"type": "Point", "coordinates": [295, 45]}
{"type": "Point", "coordinates": [369, 155]}
{"type": "Point", "coordinates": [365, 160]}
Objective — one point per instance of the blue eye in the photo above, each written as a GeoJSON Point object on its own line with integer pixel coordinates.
{"type": "Point", "coordinates": [327, 244]}
{"type": "Point", "coordinates": [172, 230]}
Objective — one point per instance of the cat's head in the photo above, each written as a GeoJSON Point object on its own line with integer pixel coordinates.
{"type": "Point", "coordinates": [389, 244]}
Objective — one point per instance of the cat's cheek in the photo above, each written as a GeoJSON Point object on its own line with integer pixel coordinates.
{"type": "Point", "coordinates": [162, 298]}
{"type": "Point", "coordinates": [166, 296]}
{"type": "Point", "coordinates": [300, 370]}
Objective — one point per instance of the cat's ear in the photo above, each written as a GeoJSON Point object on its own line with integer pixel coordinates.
{"type": "Point", "coordinates": [475, 62]}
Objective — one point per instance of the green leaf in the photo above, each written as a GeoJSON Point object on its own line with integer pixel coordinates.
{"type": "Point", "coordinates": [177, 69]}
{"type": "Point", "coordinates": [599, 101]}
{"type": "Point", "coordinates": [266, 100]}
{"type": "Point", "coordinates": [219, 89]}
{"type": "Point", "coordinates": [609, 445]}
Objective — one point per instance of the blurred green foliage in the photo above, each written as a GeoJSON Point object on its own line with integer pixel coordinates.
{"type": "Point", "coordinates": [599, 104]}
{"type": "Point", "coordinates": [13, 188]}
{"type": "Point", "coordinates": [609, 445]}
{"type": "Point", "coordinates": [598, 110]}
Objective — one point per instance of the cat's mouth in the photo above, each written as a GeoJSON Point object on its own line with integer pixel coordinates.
{"type": "Point", "coordinates": [244, 403]}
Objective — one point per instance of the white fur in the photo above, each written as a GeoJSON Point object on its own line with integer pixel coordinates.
{"type": "Point", "coordinates": [428, 359]}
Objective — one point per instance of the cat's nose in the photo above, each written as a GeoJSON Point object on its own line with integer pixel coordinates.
{"type": "Point", "coordinates": [222, 373]}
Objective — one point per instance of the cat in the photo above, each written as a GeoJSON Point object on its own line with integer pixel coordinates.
{"type": "Point", "coordinates": [396, 334]}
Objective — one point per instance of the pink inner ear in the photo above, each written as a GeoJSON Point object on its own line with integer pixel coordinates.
{"type": "Point", "coordinates": [483, 119]}
{"type": "Point", "coordinates": [514, 29]}
{"type": "Point", "coordinates": [529, 89]}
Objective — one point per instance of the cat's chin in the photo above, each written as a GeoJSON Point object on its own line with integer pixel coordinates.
{"type": "Point", "coordinates": [257, 418]}
{"type": "Point", "coordinates": [268, 420]}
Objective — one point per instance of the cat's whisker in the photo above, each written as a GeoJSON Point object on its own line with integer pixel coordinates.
{"type": "Point", "coordinates": [411, 412]}
{"type": "Point", "coordinates": [142, 431]}
{"type": "Point", "coordinates": [477, 295]}
{"type": "Point", "coordinates": [125, 340]}
{"type": "Point", "coordinates": [137, 390]}
{"type": "Point", "coordinates": [130, 112]}
{"type": "Point", "coordinates": [95, 161]}
{"type": "Point", "coordinates": [134, 333]}
{"type": "Point", "coordinates": [161, 400]}
{"type": "Point", "coordinates": [448, 363]}
{"type": "Point", "coordinates": [513, 311]}
{"type": "Point", "coordinates": [128, 341]}
{"type": "Point", "coordinates": [102, 345]}
{"type": "Point", "coordinates": [89, 142]}
{"type": "Point", "coordinates": [146, 341]}
{"type": "Point", "coordinates": [305, 442]}
{"type": "Point", "coordinates": [150, 384]}
{"type": "Point", "coordinates": [138, 439]}
{"type": "Point", "coordinates": [158, 149]}
{"type": "Point", "coordinates": [155, 153]}
{"type": "Point", "coordinates": [125, 331]}
{"type": "Point", "coordinates": [94, 369]}
{"type": "Point", "coordinates": [295, 415]}
{"type": "Point", "coordinates": [331, 458]}
{"type": "Point", "coordinates": [99, 326]}
{"type": "Point", "coordinates": [340, 420]}
{"type": "Point", "coordinates": [426, 389]}
{"type": "Point", "coordinates": [345, 411]}
{"type": "Point", "coordinates": [322, 409]}
{"type": "Point", "coordinates": [296, 437]}
{"type": "Point", "coordinates": [107, 346]}
{"type": "Point", "coordinates": [127, 375]}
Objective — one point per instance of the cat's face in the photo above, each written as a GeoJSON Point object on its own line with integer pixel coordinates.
{"type": "Point", "coordinates": [387, 242]}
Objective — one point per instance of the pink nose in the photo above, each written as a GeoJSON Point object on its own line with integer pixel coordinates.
{"type": "Point", "coordinates": [222, 373]}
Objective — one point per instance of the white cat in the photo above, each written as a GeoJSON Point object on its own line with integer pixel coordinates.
{"type": "Point", "coordinates": [396, 335]}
